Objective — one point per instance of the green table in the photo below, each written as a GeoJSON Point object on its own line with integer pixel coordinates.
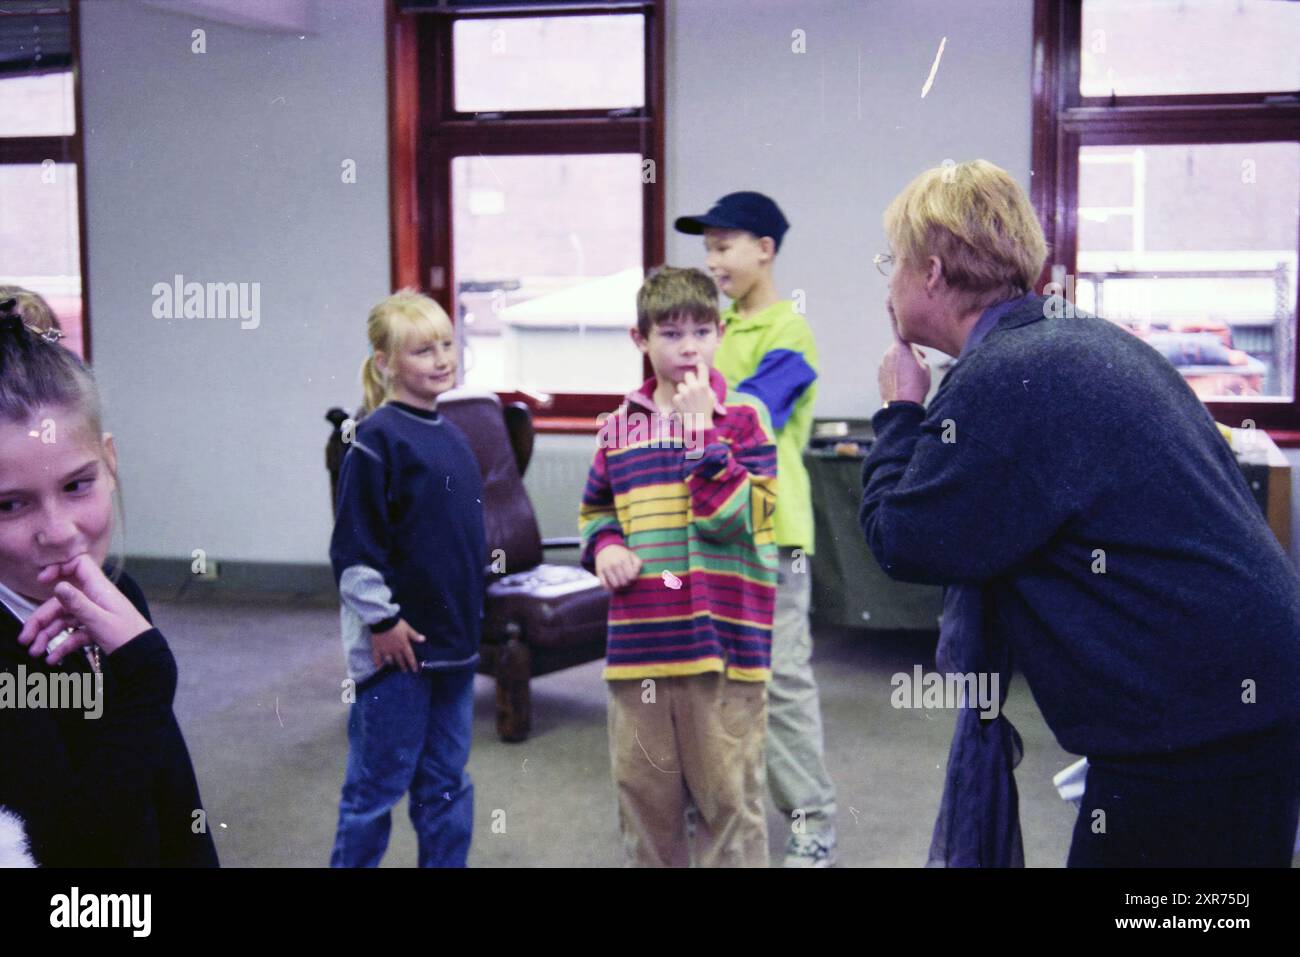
{"type": "Point", "coordinates": [849, 589]}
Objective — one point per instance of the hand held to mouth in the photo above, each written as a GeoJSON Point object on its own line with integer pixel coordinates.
{"type": "Point", "coordinates": [86, 603]}
{"type": "Point", "coordinates": [902, 376]}
{"type": "Point", "coordinates": [694, 399]}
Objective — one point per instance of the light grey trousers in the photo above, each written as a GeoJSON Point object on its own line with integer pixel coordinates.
{"type": "Point", "coordinates": [796, 759]}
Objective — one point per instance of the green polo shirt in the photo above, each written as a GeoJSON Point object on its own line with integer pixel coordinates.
{"type": "Point", "coordinates": [771, 355]}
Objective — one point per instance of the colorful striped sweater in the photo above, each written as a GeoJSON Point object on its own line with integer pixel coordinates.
{"type": "Point", "coordinates": [697, 510]}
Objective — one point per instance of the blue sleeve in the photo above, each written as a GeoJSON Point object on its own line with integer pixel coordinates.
{"type": "Point", "coordinates": [778, 382]}
{"type": "Point", "coordinates": [944, 513]}
{"type": "Point", "coordinates": [359, 548]}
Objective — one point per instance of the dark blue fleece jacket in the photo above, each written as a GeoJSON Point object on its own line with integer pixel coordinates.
{"type": "Point", "coordinates": [408, 538]}
{"type": "Point", "coordinates": [1066, 467]}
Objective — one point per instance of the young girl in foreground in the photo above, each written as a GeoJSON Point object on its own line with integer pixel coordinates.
{"type": "Point", "coordinates": [409, 556]}
{"type": "Point", "coordinates": [109, 782]}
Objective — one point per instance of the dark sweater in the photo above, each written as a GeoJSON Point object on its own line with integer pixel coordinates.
{"type": "Point", "coordinates": [114, 791]}
{"type": "Point", "coordinates": [409, 541]}
{"type": "Point", "coordinates": [1071, 436]}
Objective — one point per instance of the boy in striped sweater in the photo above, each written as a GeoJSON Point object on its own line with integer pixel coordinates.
{"type": "Point", "coordinates": [676, 521]}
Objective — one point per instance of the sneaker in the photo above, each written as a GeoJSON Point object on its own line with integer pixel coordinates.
{"type": "Point", "coordinates": [810, 850]}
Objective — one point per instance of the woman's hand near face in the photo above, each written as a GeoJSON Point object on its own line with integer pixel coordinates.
{"type": "Point", "coordinates": [87, 602]}
{"type": "Point", "coordinates": [903, 376]}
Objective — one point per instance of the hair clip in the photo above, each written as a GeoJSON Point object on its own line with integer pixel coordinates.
{"type": "Point", "coordinates": [49, 335]}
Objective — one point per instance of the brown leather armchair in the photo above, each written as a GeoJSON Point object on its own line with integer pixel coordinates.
{"type": "Point", "coordinates": [539, 617]}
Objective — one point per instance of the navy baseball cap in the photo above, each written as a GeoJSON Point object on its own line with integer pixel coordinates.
{"type": "Point", "coordinates": [752, 212]}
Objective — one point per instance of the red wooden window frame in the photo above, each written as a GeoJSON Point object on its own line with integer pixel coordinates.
{"type": "Point", "coordinates": [426, 133]}
{"type": "Point", "coordinates": [16, 150]}
{"type": "Point", "coordinates": [1064, 120]}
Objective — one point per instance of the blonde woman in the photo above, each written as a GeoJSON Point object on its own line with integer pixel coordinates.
{"type": "Point", "coordinates": [1095, 528]}
{"type": "Point", "coordinates": [409, 553]}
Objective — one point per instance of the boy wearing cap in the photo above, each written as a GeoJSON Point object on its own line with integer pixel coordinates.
{"type": "Point", "coordinates": [769, 353]}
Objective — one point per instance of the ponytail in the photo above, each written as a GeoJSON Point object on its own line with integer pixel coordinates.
{"type": "Point", "coordinates": [35, 372]}
{"type": "Point", "coordinates": [36, 312]}
{"type": "Point", "coordinates": [374, 389]}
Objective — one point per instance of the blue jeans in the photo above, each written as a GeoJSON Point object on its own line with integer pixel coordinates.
{"type": "Point", "coordinates": [409, 732]}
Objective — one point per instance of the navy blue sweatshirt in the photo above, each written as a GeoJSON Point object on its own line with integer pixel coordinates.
{"type": "Point", "coordinates": [408, 538]}
{"type": "Point", "coordinates": [1065, 466]}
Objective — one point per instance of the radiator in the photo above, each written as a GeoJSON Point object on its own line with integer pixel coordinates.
{"type": "Point", "coordinates": [555, 479]}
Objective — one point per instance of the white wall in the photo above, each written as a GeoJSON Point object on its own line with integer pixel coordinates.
{"type": "Point", "coordinates": [834, 133]}
{"type": "Point", "coordinates": [226, 166]}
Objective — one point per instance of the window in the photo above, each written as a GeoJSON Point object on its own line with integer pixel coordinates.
{"type": "Point", "coordinates": [529, 63]}
{"type": "Point", "coordinates": [1167, 175]}
{"type": "Point", "coordinates": [1177, 47]}
{"type": "Point", "coordinates": [41, 228]}
{"type": "Point", "coordinates": [527, 140]}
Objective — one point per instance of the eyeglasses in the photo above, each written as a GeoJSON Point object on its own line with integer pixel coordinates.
{"type": "Point", "coordinates": [884, 262]}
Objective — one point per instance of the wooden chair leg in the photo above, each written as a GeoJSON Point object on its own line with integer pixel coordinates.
{"type": "Point", "coordinates": [514, 706]}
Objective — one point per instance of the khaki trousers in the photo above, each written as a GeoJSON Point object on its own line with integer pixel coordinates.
{"type": "Point", "coordinates": [674, 741]}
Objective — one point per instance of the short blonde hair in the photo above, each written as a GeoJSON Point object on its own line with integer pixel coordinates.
{"type": "Point", "coordinates": [391, 322]}
{"type": "Point", "coordinates": [980, 224]}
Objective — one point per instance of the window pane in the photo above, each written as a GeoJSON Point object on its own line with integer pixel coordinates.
{"type": "Point", "coordinates": [548, 259]}
{"type": "Point", "coordinates": [40, 245]}
{"type": "Point", "coordinates": [1193, 248]}
{"type": "Point", "coordinates": [549, 63]}
{"type": "Point", "coordinates": [1167, 47]}
{"type": "Point", "coordinates": [37, 105]}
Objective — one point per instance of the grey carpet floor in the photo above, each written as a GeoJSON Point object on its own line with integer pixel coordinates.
{"type": "Point", "coordinates": [260, 703]}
